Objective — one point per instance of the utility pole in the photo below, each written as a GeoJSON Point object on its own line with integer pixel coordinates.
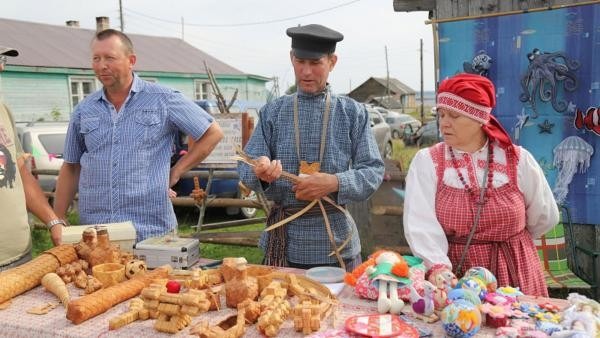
{"type": "Point", "coordinates": [274, 93]}
{"type": "Point", "coordinates": [182, 30]}
{"type": "Point", "coordinates": [387, 70]}
{"type": "Point", "coordinates": [121, 16]}
{"type": "Point", "coordinates": [421, 59]}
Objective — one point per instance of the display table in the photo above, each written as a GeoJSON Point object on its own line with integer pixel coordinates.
{"type": "Point", "coordinates": [16, 322]}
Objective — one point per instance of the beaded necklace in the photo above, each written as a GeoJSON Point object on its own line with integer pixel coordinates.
{"type": "Point", "coordinates": [490, 174]}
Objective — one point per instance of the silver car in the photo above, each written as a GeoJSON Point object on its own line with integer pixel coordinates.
{"type": "Point", "coordinates": [382, 133]}
{"type": "Point", "coordinates": [45, 141]}
{"type": "Point", "coordinates": [401, 124]}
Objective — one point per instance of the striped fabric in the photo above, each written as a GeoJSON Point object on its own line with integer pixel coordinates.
{"type": "Point", "coordinates": [125, 156]}
{"type": "Point", "coordinates": [553, 255]}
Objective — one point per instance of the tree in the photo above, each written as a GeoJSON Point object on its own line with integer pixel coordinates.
{"type": "Point", "coordinates": [55, 114]}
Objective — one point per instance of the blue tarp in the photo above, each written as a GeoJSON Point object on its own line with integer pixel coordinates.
{"type": "Point", "coordinates": [550, 48]}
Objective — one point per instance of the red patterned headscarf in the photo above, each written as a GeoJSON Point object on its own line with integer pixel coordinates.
{"type": "Point", "coordinates": [473, 96]}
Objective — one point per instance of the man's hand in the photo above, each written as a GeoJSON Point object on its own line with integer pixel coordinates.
{"type": "Point", "coordinates": [174, 176]}
{"type": "Point", "coordinates": [315, 186]}
{"type": "Point", "coordinates": [56, 234]}
{"type": "Point", "coordinates": [267, 170]}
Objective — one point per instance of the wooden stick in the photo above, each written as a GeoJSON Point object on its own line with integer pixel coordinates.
{"type": "Point", "coordinates": [243, 157]}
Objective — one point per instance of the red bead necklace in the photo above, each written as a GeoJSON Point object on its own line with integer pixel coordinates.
{"type": "Point", "coordinates": [490, 174]}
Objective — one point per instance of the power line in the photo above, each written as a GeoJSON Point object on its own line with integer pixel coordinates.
{"type": "Point", "coordinates": [246, 23]}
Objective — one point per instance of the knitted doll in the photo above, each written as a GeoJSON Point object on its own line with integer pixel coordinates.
{"type": "Point", "coordinates": [365, 287]}
{"type": "Point", "coordinates": [390, 271]}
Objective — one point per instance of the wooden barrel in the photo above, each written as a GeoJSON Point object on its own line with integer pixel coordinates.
{"type": "Point", "coordinates": [379, 219]}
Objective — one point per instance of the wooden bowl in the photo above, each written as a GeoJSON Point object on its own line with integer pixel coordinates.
{"type": "Point", "coordinates": [109, 273]}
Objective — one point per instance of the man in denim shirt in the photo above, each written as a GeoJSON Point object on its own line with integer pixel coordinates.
{"type": "Point", "coordinates": [118, 147]}
{"type": "Point", "coordinates": [327, 140]}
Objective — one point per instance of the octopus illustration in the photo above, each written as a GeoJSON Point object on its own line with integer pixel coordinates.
{"type": "Point", "coordinates": [545, 74]}
{"type": "Point", "coordinates": [569, 155]}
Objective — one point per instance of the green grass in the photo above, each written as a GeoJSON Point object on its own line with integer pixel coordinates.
{"type": "Point", "coordinates": [42, 241]}
{"type": "Point", "coordinates": [219, 251]}
{"type": "Point", "coordinates": [403, 154]}
{"type": "Point", "coordinates": [40, 238]}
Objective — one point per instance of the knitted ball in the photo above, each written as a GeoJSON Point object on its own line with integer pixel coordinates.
{"type": "Point", "coordinates": [461, 319]}
{"type": "Point", "coordinates": [485, 275]}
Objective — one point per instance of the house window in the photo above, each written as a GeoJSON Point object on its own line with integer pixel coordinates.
{"type": "Point", "coordinates": [202, 90]}
{"type": "Point", "coordinates": [80, 88]}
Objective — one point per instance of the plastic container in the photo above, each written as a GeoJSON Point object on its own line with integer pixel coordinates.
{"type": "Point", "coordinates": [326, 274]}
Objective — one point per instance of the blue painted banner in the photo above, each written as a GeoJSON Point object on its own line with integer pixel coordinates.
{"type": "Point", "coordinates": [547, 88]}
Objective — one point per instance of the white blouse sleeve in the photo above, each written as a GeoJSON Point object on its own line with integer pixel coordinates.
{"type": "Point", "coordinates": [540, 205]}
{"type": "Point", "coordinates": [422, 230]}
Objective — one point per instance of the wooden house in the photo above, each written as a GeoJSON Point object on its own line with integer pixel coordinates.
{"type": "Point", "coordinates": [375, 91]}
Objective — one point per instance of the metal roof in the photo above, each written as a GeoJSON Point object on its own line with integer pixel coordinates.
{"type": "Point", "coordinates": [44, 45]}
{"type": "Point", "coordinates": [395, 85]}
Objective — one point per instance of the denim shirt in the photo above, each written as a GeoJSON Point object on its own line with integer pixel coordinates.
{"type": "Point", "coordinates": [125, 155]}
{"type": "Point", "coordinates": [351, 154]}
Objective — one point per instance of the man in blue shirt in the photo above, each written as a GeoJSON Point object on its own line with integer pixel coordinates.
{"type": "Point", "coordinates": [327, 140]}
{"type": "Point", "coordinates": [118, 147]}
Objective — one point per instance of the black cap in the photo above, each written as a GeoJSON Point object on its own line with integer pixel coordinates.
{"type": "Point", "coordinates": [8, 51]}
{"type": "Point", "coordinates": [313, 41]}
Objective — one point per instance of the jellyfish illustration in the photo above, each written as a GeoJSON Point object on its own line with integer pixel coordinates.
{"type": "Point", "coordinates": [572, 153]}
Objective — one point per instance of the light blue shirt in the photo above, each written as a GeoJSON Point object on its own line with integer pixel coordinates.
{"type": "Point", "coordinates": [351, 154]}
{"type": "Point", "coordinates": [125, 155]}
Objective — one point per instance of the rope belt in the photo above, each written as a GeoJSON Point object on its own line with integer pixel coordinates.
{"type": "Point", "coordinates": [497, 246]}
{"type": "Point", "coordinates": [277, 238]}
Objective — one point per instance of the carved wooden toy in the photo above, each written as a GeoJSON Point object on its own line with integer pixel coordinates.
{"type": "Point", "coordinates": [273, 316]}
{"type": "Point", "coordinates": [231, 327]}
{"type": "Point", "coordinates": [136, 311]}
{"type": "Point", "coordinates": [173, 311]}
{"type": "Point", "coordinates": [240, 286]}
{"type": "Point", "coordinates": [307, 316]}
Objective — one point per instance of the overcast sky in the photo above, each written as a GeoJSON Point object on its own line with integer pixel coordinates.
{"type": "Point", "coordinates": [250, 34]}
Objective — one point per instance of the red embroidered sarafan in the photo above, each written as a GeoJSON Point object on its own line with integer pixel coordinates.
{"type": "Point", "coordinates": [500, 243]}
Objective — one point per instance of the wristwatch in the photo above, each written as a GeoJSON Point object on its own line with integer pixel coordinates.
{"type": "Point", "coordinates": [54, 222]}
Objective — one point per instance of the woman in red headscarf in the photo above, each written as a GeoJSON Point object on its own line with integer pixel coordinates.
{"type": "Point", "coordinates": [476, 199]}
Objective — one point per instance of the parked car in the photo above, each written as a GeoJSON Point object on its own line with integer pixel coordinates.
{"type": "Point", "coordinates": [427, 135]}
{"type": "Point", "coordinates": [382, 133]}
{"type": "Point", "coordinates": [401, 123]}
{"type": "Point", "coordinates": [384, 112]}
{"type": "Point", "coordinates": [45, 141]}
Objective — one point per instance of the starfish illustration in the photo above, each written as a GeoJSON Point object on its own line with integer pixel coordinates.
{"type": "Point", "coordinates": [546, 127]}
